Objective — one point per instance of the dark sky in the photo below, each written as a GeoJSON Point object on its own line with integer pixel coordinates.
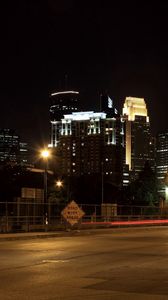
{"type": "Point", "coordinates": [96, 45]}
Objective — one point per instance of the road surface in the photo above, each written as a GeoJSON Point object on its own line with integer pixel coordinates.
{"type": "Point", "coordinates": [116, 264]}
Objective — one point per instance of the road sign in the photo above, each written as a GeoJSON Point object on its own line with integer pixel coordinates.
{"type": "Point", "coordinates": [72, 213]}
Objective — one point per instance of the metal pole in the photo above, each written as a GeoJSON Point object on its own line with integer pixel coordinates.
{"type": "Point", "coordinates": [45, 195]}
{"type": "Point", "coordinates": [7, 221]}
{"type": "Point", "coordinates": [102, 181]}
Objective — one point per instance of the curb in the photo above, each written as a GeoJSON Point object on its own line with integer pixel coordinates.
{"type": "Point", "coordinates": [71, 233]}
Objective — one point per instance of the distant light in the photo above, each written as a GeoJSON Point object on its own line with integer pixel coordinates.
{"type": "Point", "coordinates": [166, 190]}
{"type": "Point", "coordinates": [50, 146]}
{"type": "Point", "coordinates": [45, 153]}
{"type": "Point", "coordinates": [59, 183]}
{"type": "Point", "coordinates": [66, 92]}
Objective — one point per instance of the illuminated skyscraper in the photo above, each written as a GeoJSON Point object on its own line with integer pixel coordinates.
{"type": "Point", "coordinates": [106, 106]}
{"type": "Point", "coordinates": [61, 103]}
{"type": "Point", "coordinates": [138, 142]}
{"type": "Point", "coordinates": [9, 146]}
{"type": "Point", "coordinates": [12, 150]}
{"type": "Point", "coordinates": [90, 144]}
{"type": "Point", "coordinates": [162, 160]}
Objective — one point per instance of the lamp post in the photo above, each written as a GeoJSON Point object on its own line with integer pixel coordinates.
{"type": "Point", "coordinates": [102, 182]}
{"type": "Point", "coordinates": [45, 155]}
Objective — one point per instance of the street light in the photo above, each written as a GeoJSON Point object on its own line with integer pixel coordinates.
{"type": "Point", "coordinates": [45, 155]}
{"type": "Point", "coordinates": [59, 183]}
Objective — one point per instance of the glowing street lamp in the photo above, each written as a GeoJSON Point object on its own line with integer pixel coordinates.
{"type": "Point", "coordinates": [45, 153]}
{"type": "Point", "coordinates": [59, 183]}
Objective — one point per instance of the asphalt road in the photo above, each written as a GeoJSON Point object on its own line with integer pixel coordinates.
{"type": "Point", "coordinates": [112, 265]}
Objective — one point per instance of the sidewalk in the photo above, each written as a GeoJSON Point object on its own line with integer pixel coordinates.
{"type": "Point", "coordinates": [72, 232]}
{"type": "Point", "coordinates": [35, 235]}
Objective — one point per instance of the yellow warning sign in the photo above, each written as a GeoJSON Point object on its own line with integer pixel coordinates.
{"type": "Point", "coordinates": [72, 213]}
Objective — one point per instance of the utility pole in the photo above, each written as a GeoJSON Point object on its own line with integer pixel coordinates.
{"type": "Point", "coordinates": [102, 183]}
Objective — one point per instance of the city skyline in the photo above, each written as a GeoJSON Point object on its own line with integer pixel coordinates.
{"type": "Point", "coordinates": [89, 48]}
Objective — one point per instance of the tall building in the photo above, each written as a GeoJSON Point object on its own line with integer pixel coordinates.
{"type": "Point", "coordinates": [91, 143]}
{"type": "Point", "coordinates": [25, 155]}
{"type": "Point", "coordinates": [61, 103]}
{"type": "Point", "coordinates": [162, 160]}
{"type": "Point", "coordinates": [107, 106]}
{"type": "Point", "coordinates": [9, 146]}
{"type": "Point", "coordinates": [138, 143]}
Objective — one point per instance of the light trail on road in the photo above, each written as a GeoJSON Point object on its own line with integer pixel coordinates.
{"type": "Point", "coordinates": [139, 222]}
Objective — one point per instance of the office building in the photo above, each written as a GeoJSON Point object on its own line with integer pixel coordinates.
{"type": "Point", "coordinates": [162, 162]}
{"type": "Point", "coordinates": [9, 146]}
{"type": "Point", "coordinates": [107, 106]}
{"type": "Point", "coordinates": [12, 150]}
{"type": "Point", "coordinates": [91, 143]}
{"type": "Point", "coordinates": [61, 103]}
{"type": "Point", "coordinates": [25, 155]}
{"type": "Point", "coordinates": [138, 142]}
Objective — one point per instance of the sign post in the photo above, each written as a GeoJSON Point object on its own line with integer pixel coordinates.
{"type": "Point", "coordinates": [72, 213]}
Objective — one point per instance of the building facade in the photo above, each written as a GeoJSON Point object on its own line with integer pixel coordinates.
{"type": "Point", "coordinates": [25, 158]}
{"type": "Point", "coordinates": [162, 162]}
{"type": "Point", "coordinates": [9, 146]}
{"type": "Point", "coordinates": [91, 143]}
{"type": "Point", "coordinates": [61, 103]}
{"type": "Point", "coordinates": [12, 150]}
{"type": "Point", "coordinates": [107, 106]}
{"type": "Point", "coordinates": [138, 142]}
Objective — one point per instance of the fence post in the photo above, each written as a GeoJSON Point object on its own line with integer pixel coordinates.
{"type": "Point", "coordinates": [28, 219]}
{"type": "Point", "coordinates": [95, 214]}
{"type": "Point", "coordinates": [7, 224]}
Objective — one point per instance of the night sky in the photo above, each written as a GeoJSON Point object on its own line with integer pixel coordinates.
{"type": "Point", "coordinates": [90, 46]}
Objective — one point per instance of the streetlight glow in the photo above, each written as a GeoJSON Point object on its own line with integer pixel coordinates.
{"type": "Point", "coordinates": [45, 153]}
{"type": "Point", "coordinates": [59, 183]}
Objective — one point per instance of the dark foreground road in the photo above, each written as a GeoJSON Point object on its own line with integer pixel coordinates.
{"type": "Point", "coordinates": [123, 264]}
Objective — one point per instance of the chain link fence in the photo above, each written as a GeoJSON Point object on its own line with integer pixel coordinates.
{"type": "Point", "coordinates": [32, 216]}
